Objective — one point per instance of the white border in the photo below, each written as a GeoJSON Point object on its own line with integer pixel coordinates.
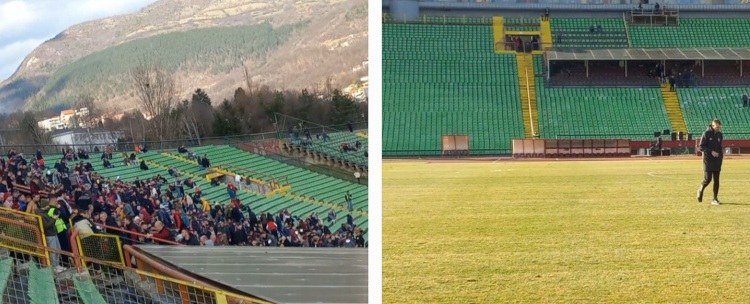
{"type": "Point", "coordinates": [375, 123]}
{"type": "Point", "coordinates": [375, 143]}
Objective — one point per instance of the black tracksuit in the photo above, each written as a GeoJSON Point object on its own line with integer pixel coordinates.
{"type": "Point", "coordinates": [711, 142]}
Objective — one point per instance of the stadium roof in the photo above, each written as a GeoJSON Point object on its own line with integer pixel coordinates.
{"type": "Point", "coordinates": [280, 275]}
{"type": "Point", "coordinates": [651, 54]}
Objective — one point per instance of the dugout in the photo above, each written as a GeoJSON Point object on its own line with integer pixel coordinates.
{"type": "Point", "coordinates": [639, 62]}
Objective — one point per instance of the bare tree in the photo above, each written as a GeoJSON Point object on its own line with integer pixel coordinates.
{"type": "Point", "coordinates": [29, 126]}
{"type": "Point", "coordinates": [248, 80]}
{"type": "Point", "coordinates": [189, 124]}
{"type": "Point", "coordinates": [157, 95]}
{"type": "Point", "coordinates": [88, 113]}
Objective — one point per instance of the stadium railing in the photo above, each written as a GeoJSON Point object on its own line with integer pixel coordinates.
{"type": "Point", "coordinates": [438, 153]}
{"type": "Point", "coordinates": [26, 227]}
{"type": "Point", "coordinates": [99, 281]}
{"type": "Point", "coordinates": [730, 135]}
{"type": "Point", "coordinates": [526, 47]}
{"type": "Point", "coordinates": [299, 162]}
{"type": "Point", "coordinates": [55, 149]}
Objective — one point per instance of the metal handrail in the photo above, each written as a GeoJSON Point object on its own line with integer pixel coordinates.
{"type": "Point", "coordinates": [528, 99]}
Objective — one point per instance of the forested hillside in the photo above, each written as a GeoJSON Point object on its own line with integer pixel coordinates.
{"type": "Point", "coordinates": [216, 45]}
{"type": "Point", "coordinates": [210, 50]}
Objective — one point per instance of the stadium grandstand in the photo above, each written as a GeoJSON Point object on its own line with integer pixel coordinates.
{"type": "Point", "coordinates": [562, 78]}
{"type": "Point", "coordinates": [132, 224]}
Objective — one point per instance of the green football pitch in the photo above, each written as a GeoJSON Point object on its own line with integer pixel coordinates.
{"type": "Point", "coordinates": [617, 231]}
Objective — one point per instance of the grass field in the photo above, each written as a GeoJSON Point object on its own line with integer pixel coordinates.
{"type": "Point", "coordinates": [619, 231]}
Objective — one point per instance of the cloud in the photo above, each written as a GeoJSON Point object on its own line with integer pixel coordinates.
{"type": "Point", "coordinates": [22, 22]}
{"type": "Point", "coordinates": [14, 53]}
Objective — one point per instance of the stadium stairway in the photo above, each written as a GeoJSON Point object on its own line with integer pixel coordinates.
{"type": "Point", "coordinates": [672, 103]}
{"type": "Point", "coordinates": [546, 33]}
{"type": "Point", "coordinates": [527, 85]}
{"type": "Point", "coordinates": [498, 34]}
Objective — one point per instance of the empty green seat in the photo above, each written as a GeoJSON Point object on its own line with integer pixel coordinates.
{"type": "Point", "coordinates": [447, 79]}
{"type": "Point", "coordinates": [697, 33]}
{"type": "Point", "coordinates": [606, 113]}
{"type": "Point", "coordinates": [701, 106]}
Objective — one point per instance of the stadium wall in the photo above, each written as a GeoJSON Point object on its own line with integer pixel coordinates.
{"type": "Point", "coordinates": [578, 5]}
{"type": "Point", "coordinates": [407, 10]}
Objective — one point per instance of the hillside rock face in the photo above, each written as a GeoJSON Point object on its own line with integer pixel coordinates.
{"type": "Point", "coordinates": [333, 42]}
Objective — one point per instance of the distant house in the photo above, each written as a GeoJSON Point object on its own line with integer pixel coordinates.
{"type": "Point", "coordinates": [53, 123]}
{"type": "Point", "coordinates": [65, 120]}
{"type": "Point", "coordinates": [87, 139]}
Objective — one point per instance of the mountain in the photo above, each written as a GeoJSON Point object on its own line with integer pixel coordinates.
{"type": "Point", "coordinates": [206, 44]}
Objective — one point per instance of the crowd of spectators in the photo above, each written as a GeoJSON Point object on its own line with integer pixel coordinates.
{"type": "Point", "coordinates": [70, 193]}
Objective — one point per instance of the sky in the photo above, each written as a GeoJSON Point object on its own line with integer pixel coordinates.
{"type": "Point", "coordinates": [26, 24]}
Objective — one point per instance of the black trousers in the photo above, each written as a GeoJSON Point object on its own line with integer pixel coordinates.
{"type": "Point", "coordinates": [707, 177]}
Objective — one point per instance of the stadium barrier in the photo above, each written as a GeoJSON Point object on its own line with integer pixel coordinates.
{"type": "Point", "coordinates": [441, 20]}
{"type": "Point", "coordinates": [570, 148]}
{"type": "Point", "coordinates": [276, 154]}
{"type": "Point", "coordinates": [172, 144]}
{"type": "Point", "coordinates": [259, 182]}
{"type": "Point", "coordinates": [527, 46]}
{"type": "Point", "coordinates": [26, 227]}
{"type": "Point", "coordinates": [104, 247]}
{"type": "Point", "coordinates": [100, 281]}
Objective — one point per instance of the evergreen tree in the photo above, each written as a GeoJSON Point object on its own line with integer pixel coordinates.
{"type": "Point", "coordinates": [201, 97]}
{"type": "Point", "coordinates": [344, 108]}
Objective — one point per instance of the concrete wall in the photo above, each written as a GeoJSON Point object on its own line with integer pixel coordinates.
{"type": "Point", "coordinates": [407, 10]}
{"type": "Point", "coordinates": [579, 6]}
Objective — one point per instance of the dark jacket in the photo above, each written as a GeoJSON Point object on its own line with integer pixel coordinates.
{"type": "Point", "coordinates": [48, 223]}
{"type": "Point", "coordinates": [711, 141]}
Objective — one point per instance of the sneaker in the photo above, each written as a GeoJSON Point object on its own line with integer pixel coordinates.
{"type": "Point", "coordinates": [715, 202]}
{"type": "Point", "coordinates": [700, 195]}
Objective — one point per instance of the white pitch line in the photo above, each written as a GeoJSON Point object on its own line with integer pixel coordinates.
{"type": "Point", "coordinates": [698, 178]}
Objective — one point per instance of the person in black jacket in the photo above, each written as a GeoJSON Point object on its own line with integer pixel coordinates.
{"type": "Point", "coordinates": [710, 146]}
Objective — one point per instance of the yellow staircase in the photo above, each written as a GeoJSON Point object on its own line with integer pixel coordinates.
{"type": "Point", "coordinates": [498, 34]}
{"type": "Point", "coordinates": [546, 33]}
{"type": "Point", "coordinates": [528, 94]}
{"type": "Point", "coordinates": [672, 103]}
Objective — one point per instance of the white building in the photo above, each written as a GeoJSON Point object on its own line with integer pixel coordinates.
{"type": "Point", "coordinates": [53, 123]}
{"type": "Point", "coordinates": [60, 122]}
{"type": "Point", "coordinates": [87, 139]}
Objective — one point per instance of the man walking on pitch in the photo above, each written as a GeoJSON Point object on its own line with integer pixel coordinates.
{"type": "Point", "coordinates": [710, 146]}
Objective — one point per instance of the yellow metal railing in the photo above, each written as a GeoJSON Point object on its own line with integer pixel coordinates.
{"type": "Point", "coordinates": [94, 280]}
{"type": "Point", "coordinates": [26, 227]}
{"type": "Point", "coordinates": [105, 247]}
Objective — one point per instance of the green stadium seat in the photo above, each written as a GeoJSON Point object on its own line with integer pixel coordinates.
{"type": "Point", "coordinates": [575, 33]}
{"type": "Point", "coordinates": [701, 106]}
{"type": "Point", "coordinates": [693, 33]}
{"type": "Point", "coordinates": [303, 182]}
{"type": "Point", "coordinates": [604, 113]}
{"type": "Point", "coordinates": [447, 79]}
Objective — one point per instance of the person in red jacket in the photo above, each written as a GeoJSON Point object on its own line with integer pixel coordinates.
{"type": "Point", "coordinates": [160, 233]}
{"type": "Point", "coordinates": [143, 213]}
